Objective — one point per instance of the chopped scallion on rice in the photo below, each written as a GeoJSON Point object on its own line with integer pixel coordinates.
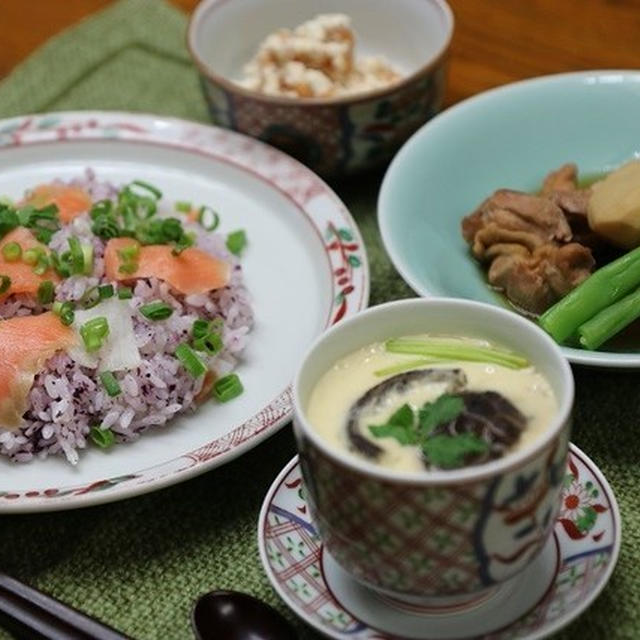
{"type": "Point", "coordinates": [156, 310]}
{"type": "Point", "coordinates": [190, 360]}
{"type": "Point", "coordinates": [227, 388]}
{"type": "Point", "coordinates": [104, 438]}
{"type": "Point", "coordinates": [94, 332]}
{"type": "Point", "coordinates": [110, 383]}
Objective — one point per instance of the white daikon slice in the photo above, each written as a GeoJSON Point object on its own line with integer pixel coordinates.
{"type": "Point", "coordinates": [119, 351]}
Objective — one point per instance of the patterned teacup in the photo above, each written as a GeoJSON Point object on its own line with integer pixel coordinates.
{"type": "Point", "coordinates": [437, 536]}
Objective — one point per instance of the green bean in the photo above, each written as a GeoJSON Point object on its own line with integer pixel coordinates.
{"type": "Point", "coordinates": [610, 321]}
{"type": "Point", "coordinates": [599, 291]}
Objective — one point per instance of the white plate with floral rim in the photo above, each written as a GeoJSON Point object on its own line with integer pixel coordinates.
{"type": "Point", "coordinates": [568, 575]}
{"type": "Point", "coordinates": [305, 267]}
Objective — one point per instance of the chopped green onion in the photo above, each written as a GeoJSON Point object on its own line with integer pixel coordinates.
{"type": "Point", "coordinates": [45, 292]}
{"type": "Point", "coordinates": [237, 241]}
{"type": "Point", "coordinates": [30, 256]}
{"type": "Point", "coordinates": [183, 206]}
{"type": "Point", "coordinates": [187, 240]}
{"type": "Point", "coordinates": [210, 344]}
{"type": "Point", "coordinates": [48, 212]}
{"type": "Point", "coordinates": [61, 268]}
{"type": "Point", "coordinates": [24, 214]}
{"type": "Point", "coordinates": [128, 213]}
{"type": "Point", "coordinates": [227, 388]}
{"type": "Point", "coordinates": [130, 252]}
{"type": "Point", "coordinates": [190, 361]}
{"type": "Point", "coordinates": [101, 208]}
{"type": "Point", "coordinates": [65, 311]}
{"type": "Point", "coordinates": [94, 332]}
{"type": "Point", "coordinates": [149, 232]}
{"type": "Point", "coordinates": [128, 267]}
{"type": "Point", "coordinates": [128, 256]}
{"type": "Point", "coordinates": [67, 316]}
{"type": "Point", "coordinates": [104, 438]}
{"type": "Point", "coordinates": [87, 259]}
{"type": "Point", "coordinates": [76, 257]}
{"type": "Point", "coordinates": [135, 206]}
{"type": "Point", "coordinates": [8, 219]}
{"type": "Point", "coordinates": [149, 187]}
{"type": "Point", "coordinates": [125, 293]}
{"type": "Point", "coordinates": [162, 231]}
{"type": "Point", "coordinates": [156, 310]}
{"type": "Point", "coordinates": [90, 298]}
{"type": "Point", "coordinates": [44, 221]}
{"type": "Point", "coordinates": [110, 383]}
{"type": "Point", "coordinates": [44, 235]}
{"type": "Point", "coordinates": [105, 291]}
{"type": "Point", "coordinates": [172, 230]}
{"type": "Point", "coordinates": [105, 226]}
{"type": "Point", "coordinates": [29, 215]}
{"type": "Point", "coordinates": [42, 265]}
{"type": "Point", "coordinates": [208, 218]}
{"type": "Point", "coordinates": [12, 251]}
{"type": "Point", "coordinates": [5, 283]}
{"type": "Point", "coordinates": [200, 328]}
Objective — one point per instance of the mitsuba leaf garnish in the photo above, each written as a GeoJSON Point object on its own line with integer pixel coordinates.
{"type": "Point", "coordinates": [449, 452]}
{"type": "Point", "coordinates": [406, 429]}
{"type": "Point", "coordinates": [445, 451]}
{"type": "Point", "coordinates": [445, 409]}
{"type": "Point", "coordinates": [401, 426]}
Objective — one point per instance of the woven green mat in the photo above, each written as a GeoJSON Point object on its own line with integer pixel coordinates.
{"type": "Point", "coordinates": [139, 564]}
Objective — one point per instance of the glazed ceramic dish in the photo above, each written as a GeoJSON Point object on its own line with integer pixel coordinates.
{"type": "Point", "coordinates": [567, 577]}
{"type": "Point", "coordinates": [332, 136]}
{"type": "Point", "coordinates": [373, 520]}
{"type": "Point", "coordinates": [511, 136]}
{"type": "Point", "coordinates": [291, 218]}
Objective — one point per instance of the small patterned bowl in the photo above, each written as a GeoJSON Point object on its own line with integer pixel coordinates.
{"type": "Point", "coordinates": [440, 538]}
{"type": "Point", "coordinates": [336, 136]}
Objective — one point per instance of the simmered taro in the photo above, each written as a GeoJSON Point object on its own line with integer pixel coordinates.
{"type": "Point", "coordinates": [421, 403]}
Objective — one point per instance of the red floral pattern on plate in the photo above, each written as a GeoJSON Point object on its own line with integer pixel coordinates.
{"type": "Point", "coordinates": [581, 506]}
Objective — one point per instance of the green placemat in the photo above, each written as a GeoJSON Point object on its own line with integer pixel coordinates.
{"type": "Point", "coordinates": [139, 564]}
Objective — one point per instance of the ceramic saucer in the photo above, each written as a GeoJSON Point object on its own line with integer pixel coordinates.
{"type": "Point", "coordinates": [558, 586]}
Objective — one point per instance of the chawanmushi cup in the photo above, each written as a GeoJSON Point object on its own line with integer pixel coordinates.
{"type": "Point", "coordinates": [435, 537]}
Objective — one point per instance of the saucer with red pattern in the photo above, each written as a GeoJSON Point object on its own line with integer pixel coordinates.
{"type": "Point", "coordinates": [566, 577]}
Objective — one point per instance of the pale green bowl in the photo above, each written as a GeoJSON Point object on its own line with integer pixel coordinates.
{"type": "Point", "coordinates": [508, 137]}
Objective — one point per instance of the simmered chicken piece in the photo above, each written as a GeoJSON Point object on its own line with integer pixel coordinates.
{"type": "Point", "coordinates": [529, 241]}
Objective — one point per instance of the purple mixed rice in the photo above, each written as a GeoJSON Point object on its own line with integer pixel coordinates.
{"type": "Point", "coordinates": [68, 399]}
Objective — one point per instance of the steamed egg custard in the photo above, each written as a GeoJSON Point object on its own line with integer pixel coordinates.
{"type": "Point", "coordinates": [431, 402]}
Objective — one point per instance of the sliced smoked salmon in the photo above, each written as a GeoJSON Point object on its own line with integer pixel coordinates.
{"type": "Point", "coordinates": [23, 278]}
{"type": "Point", "coordinates": [26, 343]}
{"type": "Point", "coordinates": [71, 201]}
{"type": "Point", "coordinates": [193, 271]}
